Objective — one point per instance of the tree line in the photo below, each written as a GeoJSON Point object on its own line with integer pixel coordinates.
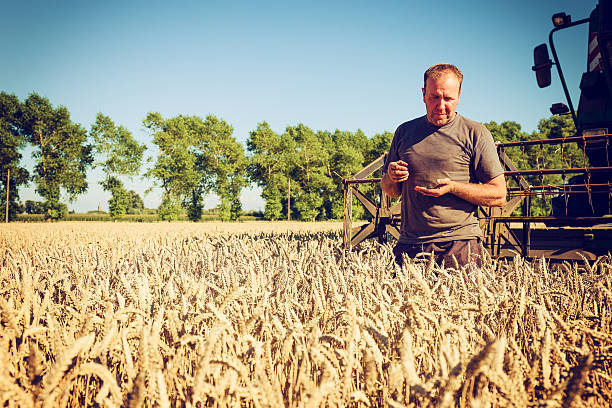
{"type": "Point", "coordinates": [299, 171]}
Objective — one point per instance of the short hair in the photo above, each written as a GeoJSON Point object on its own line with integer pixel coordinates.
{"type": "Point", "coordinates": [436, 71]}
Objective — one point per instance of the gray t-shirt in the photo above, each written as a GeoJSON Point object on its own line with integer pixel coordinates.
{"type": "Point", "coordinates": [462, 150]}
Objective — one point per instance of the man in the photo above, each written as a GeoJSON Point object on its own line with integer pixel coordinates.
{"type": "Point", "coordinates": [444, 166]}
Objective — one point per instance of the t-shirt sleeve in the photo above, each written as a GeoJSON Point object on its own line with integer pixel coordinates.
{"type": "Point", "coordinates": [393, 152]}
{"type": "Point", "coordinates": [486, 163]}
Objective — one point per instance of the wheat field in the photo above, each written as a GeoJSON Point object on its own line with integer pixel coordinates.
{"type": "Point", "coordinates": [276, 314]}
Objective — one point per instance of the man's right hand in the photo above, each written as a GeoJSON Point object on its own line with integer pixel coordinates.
{"type": "Point", "coordinates": [397, 171]}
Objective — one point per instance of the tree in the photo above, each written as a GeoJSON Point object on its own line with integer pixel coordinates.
{"type": "Point", "coordinates": [63, 156]}
{"type": "Point", "coordinates": [509, 131]}
{"type": "Point", "coordinates": [347, 158]}
{"type": "Point", "coordinates": [379, 144]}
{"type": "Point", "coordinates": [196, 204]}
{"type": "Point", "coordinates": [310, 171]}
{"type": "Point", "coordinates": [267, 167]}
{"type": "Point", "coordinates": [120, 154]}
{"type": "Point", "coordinates": [136, 205]}
{"type": "Point", "coordinates": [222, 165]}
{"type": "Point", "coordinates": [175, 167]}
{"type": "Point", "coordinates": [120, 199]}
{"type": "Point", "coordinates": [34, 207]}
{"type": "Point", "coordinates": [170, 208]}
{"type": "Point", "coordinates": [287, 185]}
{"type": "Point", "coordinates": [301, 172]}
{"type": "Point", "coordinates": [197, 157]}
{"type": "Point", "coordinates": [11, 141]}
{"type": "Point", "coordinates": [20, 208]}
{"type": "Point", "coordinates": [555, 157]}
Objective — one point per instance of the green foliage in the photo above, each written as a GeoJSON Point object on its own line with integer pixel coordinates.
{"type": "Point", "coordinates": [176, 138]}
{"type": "Point", "coordinates": [310, 169]}
{"type": "Point", "coordinates": [209, 215]}
{"type": "Point", "coordinates": [120, 154]}
{"type": "Point", "coordinates": [308, 205]}
{"type": "Point", "coordinates": [11, 141]}
{"type": "Point", "coordinates": [171, 208]}
{"type": "Point", "coordinates": [136, 205]}
{"type": "Point", "coordinates": [540, 156]}
{"type": "Point", "coordinates": [347, 158]}
{"type": "Point", "coordinates": [511, 132]}
{"type": "Point", "coordinates": [378, 145]}
{"type": "Point", "coordinates": [223, 166]}
{"type": "Point", "coordinates": [267, 167]}
{"type": "Point", "coordinates": [230, 206]}
{"type": "Point", "coordinates": [553, 157]}
{"type": "Point", "coordinates": [274, 206]}
{"type": "Point", "coordinates": [15, 207]}
{"type": "Point", "coordinates": [225, 210]}
{"type": "Point", "coordinates": [195, 205]}
{"type": "Point", "coordinates": [197, 157]}
{"type": "Point", "coordinates": [20, 209]}
{"type": "Point", "coordinates": [34, 207]}
{"type": "Point", "coordinates": [301, 171]}
{"type": "Point", "coordinates": [54, 210]}
{"type": "Point", "coordinates": [119, 201]}
{"type": "Point", "coordinates": [60, 149]}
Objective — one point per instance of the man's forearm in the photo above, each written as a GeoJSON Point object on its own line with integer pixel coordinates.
{"type": "Point", "coordinates": [392, 188]}
{"type": "Point", "coordinates": [487, 195]}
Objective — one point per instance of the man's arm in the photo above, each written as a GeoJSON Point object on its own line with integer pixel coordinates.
{"type": "Point", "coordinates": [490, 194]}
{"type": "Point", "coordinates": [391, 183]}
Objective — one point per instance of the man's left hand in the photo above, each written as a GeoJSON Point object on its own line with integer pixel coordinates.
{"type": "Point", "coordinates": [444, 186]}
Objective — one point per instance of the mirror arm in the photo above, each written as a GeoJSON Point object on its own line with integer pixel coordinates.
{"type": "Point", "coordinates": [560, 71]}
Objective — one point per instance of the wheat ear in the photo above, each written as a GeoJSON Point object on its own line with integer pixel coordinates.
{"type": "Point", "coordinates": [61, 366]}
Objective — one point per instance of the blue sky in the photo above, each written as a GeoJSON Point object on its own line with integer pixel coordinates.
{"type": "Point", "coordinates": [328, 64]}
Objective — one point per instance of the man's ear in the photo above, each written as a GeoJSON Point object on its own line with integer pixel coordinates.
{"type": "Point", "coordinates": [423, 89]}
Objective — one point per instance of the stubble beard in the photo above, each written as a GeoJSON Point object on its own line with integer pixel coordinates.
{"type": "Point", "coordinates": [442, 121]}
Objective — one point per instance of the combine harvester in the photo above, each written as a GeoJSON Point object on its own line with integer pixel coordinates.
{"type": "Point", "coordinates": [580, 221]}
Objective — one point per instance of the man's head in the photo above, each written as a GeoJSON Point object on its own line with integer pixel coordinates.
{"type": "Point", "coordinates": [441, 91]}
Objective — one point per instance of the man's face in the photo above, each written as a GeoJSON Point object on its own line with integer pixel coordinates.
{"type": "Point", "coordinates": [441, 97]}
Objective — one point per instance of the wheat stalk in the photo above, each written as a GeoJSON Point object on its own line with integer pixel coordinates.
{"type": "Point", "coordinates": [62, 365]}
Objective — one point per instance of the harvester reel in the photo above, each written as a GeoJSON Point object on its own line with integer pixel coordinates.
{"type": "Point", "coordinates": [385, 217]}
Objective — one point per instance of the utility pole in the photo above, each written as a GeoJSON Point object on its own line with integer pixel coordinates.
{"type": "Point", "coordinates": [8, 181]}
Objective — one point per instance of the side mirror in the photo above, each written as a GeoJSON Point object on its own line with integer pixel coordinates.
{"type": "Point", "coordinates": [559, 109]}
{"type": "Point", "coordinates": [541, 65]}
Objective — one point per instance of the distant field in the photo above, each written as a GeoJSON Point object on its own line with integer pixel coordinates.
{"type": "Point", "coordinates": [257, 314]}
{"type": "Point", "coordinates": [175, 229]}
{"type": "Point", "coordinates": [95, 216]}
